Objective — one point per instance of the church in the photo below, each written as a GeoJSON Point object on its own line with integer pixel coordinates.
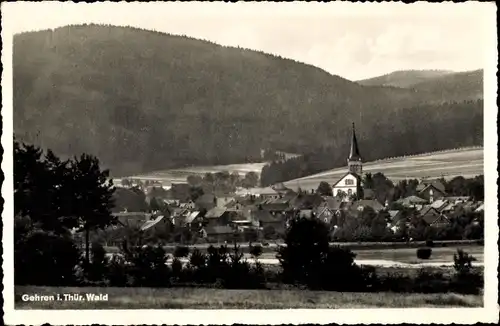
{"type": "Point", "coordinates": [349, 185]}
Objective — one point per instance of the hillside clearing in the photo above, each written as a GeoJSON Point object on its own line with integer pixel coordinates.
{"type": "Point", "coordinates": [466, 162]}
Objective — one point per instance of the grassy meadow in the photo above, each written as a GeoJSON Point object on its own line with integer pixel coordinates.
{"type": "Point", "coordinates": [206, 298]}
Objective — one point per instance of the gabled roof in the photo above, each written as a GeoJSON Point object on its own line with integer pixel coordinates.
{"type": "Point", "coordinates": [191, 217]}
{"type": "Point", "coordinates": [437, 184]}
{"type": "Point", "coordinates": [343, 176]}
{"type": "Point", "coordinates": [394, 213]}
{"type": "Point", "coordinates": [149, 224]}
{"type": "Point", "coordinates": [333, 203]}
{"type": "Point", "coordinates": [266, 217]}
{"type": "Point", "coordinates": [428, 209]}
{"type": "Point", "coordinates": [215, 212]}
{"type": "Point", "coordinates": [439, 204]}
{"type": "Point", "coordinates": [432, 219]}
{"type": "Point", "coordinates": [412, 200]}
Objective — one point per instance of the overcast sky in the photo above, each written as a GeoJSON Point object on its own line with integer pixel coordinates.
{"type": "Point", "coordinates": [354, 41]}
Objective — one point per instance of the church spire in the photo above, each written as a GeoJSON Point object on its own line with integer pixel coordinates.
{"type": "Point", "coordinates": [354, 154]}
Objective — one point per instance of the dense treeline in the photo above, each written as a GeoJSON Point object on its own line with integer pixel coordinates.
{"type": "Point", "coordinates": [404, 132]}
{"type": "Point", "coordinates": [147, 101]}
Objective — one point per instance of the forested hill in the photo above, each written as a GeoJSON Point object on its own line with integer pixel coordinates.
{"type": "Point", "coordinates": [469, 81]}
{"type": "Point", "coordinates": [143, 100]}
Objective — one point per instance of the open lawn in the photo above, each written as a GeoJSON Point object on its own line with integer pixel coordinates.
{"type": "Point", "coordinates": [203, 298]}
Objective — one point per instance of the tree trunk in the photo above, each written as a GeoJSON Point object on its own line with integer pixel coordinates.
{"type": "Point", "coordinates": [87, 247]}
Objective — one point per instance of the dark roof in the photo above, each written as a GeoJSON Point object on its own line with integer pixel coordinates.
{"type": "Point", "coordinates": [368, 203]}
{"type": "Point", "coordinates": [428, 209]}
{"type": "Point", "coordinates": [332, 203]}
{"type": "Point", "coordinates": [437, 184]}
{"type": "Point", "coordinates": [412, 200]}
{"type": "Point", "coordinates": [354, 154]}
{"type": "Point", "coordinates": [219, 229]}
{"type": "Point", "coordinates": [215, 212]}
{"type": "Point", "coordinates": [265, 216]}
{"type": "Point", "coordinates": [306, 201]}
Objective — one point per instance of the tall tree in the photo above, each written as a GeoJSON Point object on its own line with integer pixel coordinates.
{"type": "Point", "coordinates": [324, 189]}
{"type": "Point", "coordinates": [92, 192]}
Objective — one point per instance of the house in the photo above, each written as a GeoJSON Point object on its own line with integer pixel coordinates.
{"type": "Point", "coordinates": [218, 233]}
{"type": "Point", "coordinates": [431, 190]}
{"type": "Point", "coordinates": [439, 204]}
{"type": "Point", "coordinates": [306, 201]}
{"type": "Point", "coordinates": [277, 205]}
{"type": "Point", "coordinates": [412, 201]}
{"type": "Point", "coordinates": [328, 209]}
{"type": "Point", "coordinates": [189, 205]}
{"type": "Point", "coordinates": [132, 219]}
{"type": "Point", "coordinates": [360, 205]}
{"type": "Point", "coordinates": [349, 185]}
{"type": "Point", "coordinates": [265, 193]}
{"type": "Point", "coordinates": [269, 220]}
{"type": "Point", "coordinates": [432, 217]}
{"type": "Point", "coordinates": [217, 216]}
{"type": "Point", "coordinates": [395, 216]}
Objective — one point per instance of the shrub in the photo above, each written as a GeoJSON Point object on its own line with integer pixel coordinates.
{"type": "Point", "coordinates": [42, 258]}
{"type": "Point", "coordinates": [118, 273]}
{"type": "Point", "coordinates": [149, 266]}
{"type": "Point", "coordinates": [307, 259]}
{"type": "Point", "coordinates": [463, 262]}
{"type": "Point", "coordinates": [424, 253]}
{"type": "Point", "coordinates": [429, 243]}
{"type": "Point", "coordinates": [255, 251]}
{"type": "Point", "coordinates": [181, 251]}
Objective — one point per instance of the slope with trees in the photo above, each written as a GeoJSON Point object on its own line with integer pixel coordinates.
{"type": "Point", "coordinates": [147, 101]}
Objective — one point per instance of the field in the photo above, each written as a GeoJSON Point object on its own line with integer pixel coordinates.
{"type": "Point", "coordinates": [179, 175]}
{"type": "Point", "coordinates": [467, 162]}
{"type": "Point", "coordinates": [204, 298]}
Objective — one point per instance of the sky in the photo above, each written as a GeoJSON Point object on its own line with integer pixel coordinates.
{"type": "Point", "coordinates": [352, 40]}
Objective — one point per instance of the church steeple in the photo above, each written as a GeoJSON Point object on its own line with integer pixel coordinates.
{"type": "Point", "coordinates": [354, 160]}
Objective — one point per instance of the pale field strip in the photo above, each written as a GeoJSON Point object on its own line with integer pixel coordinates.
{"type": "Point", "coordinates": [466, 162]}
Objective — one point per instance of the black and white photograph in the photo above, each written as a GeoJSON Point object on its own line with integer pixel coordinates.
{"type": "Point", "coordinates": [258, 163]}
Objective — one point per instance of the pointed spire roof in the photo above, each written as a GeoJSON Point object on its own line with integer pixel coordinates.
{"type": "Point", "coordinates": [354, 153]}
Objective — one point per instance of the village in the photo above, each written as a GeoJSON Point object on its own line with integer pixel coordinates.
{"type": "Point", "coordinates": [425, 211]}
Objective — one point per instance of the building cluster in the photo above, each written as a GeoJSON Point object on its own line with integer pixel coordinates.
{"type": "Point", "coordinates": [219, 217]}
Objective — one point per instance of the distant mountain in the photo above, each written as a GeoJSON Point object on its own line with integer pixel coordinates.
{"type": "Point", "coordinates": [404, 78]}
{"type": "Point", "coordinates": [469, 84]}
{"type": "Point", "coordinates": [143, 100]}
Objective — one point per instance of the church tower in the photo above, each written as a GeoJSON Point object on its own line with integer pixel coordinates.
{"type": "Point", "coordinates": [354, 163]}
